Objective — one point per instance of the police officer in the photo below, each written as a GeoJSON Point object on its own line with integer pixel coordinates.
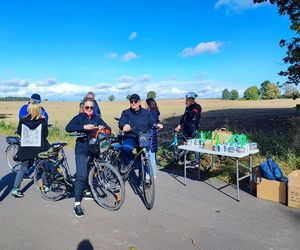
{"type": "Point", "coordinates": [189, 123]}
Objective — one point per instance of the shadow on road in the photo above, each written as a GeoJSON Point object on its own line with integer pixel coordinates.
{"type": "Point", "coordinates": [6, 185]}
{"type": "Point", "coordinates": [85, 245]}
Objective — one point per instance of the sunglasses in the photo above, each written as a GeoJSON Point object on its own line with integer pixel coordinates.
{"type": "Point", "coordinates": [134, 101]}
{"type": "Point", "coordinates": [88, 107]}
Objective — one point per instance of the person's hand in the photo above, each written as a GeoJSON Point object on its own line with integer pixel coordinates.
{"type": "Point", "coordinates": [177, 129]}
{"type": "Point", "coordinates": [160, 126]}
{"type": "Point", "coordinates": [100, 127]}
{"type": "Point", "coordinates": [126, 128]}
{"type": "Point", "coordinates": [89, 127]}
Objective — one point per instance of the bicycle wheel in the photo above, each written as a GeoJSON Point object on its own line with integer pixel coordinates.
{"type": "Point", "coordinates": [107, 186]}
{"type": "Point", "coordinates": [49, 181]}
{"type": "Point", "coordinates": [10, 154]}
{"type": "Point", "coordinates": [148, 183]}
{"type": "Point", "coordinates": [166, 153]}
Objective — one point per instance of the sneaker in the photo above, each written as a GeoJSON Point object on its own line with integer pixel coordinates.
{"type": "Point", "coordinates": [78, 211]}
{"type": "Point", "coordinates": [87, 195]}
{"type": "Point", "coordinates": [46, 189]}
{"type": "Point", "coordinates": [17, 193]}
{"type": "Point", "coordinates": [124, 168]}
{"type": "Point", "coordinates": [26, 177]}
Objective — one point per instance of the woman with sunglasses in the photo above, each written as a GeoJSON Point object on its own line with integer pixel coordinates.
{"type": "Point", "coordinates": [151, 105]}
{"type": "Point", "coordinates": [87, 122]}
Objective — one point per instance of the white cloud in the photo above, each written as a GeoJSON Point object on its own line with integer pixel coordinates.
{"type": "Point", "coordinates": [204, 47]}
{"type": "Point", "coordinates": [132, 35]}
{"type": "Point", "coordinates": [112, 55]}
{"type": "Point", "coordinates": [170, 88]}
{"type": "Point", "coordinates": [129, 56]}
{"type": "Point", "coordinates": [235, 5]}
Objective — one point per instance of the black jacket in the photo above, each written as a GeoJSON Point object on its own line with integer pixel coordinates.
{"type": "Point", "coordinates": [29, 153]}
{"type": "Point", "coordinates": [191, 119]}
{"type": "Point", "coordinates": [77, 124]}
{"type": "Point", "coordinates": [140, 121]}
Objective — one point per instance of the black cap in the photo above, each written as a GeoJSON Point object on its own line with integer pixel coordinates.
{"type": "Point", "coordinates": [36, 98]}
{"type": "Point", "coordinates": [135, 97]}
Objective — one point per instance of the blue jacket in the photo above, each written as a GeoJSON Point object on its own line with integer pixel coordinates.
{"type": "Point", "coordinates": [77, 124]}
{"type": "Point", "coordinates": [139, 121]}
{"type": "Point", "coordinates": [23, 112]}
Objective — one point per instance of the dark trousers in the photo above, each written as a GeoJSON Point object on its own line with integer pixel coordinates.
{"type": "Point", "coordinates": [128, 146]}
{"type": "Point", "coordinates": [81, 176]}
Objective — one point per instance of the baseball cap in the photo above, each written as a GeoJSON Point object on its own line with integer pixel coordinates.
{"type": "Point", "coordinates": [135, 97]}
{"type": "Point", "coordinates": [36, 98]}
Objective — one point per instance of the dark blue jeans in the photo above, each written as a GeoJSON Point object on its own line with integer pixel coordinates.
{"type": "Point", "coordinates": [128, 146]}
{"type": "Point", "coordinates": [20, 173]}
{"type": "Point", "coordinates": [81, 176]}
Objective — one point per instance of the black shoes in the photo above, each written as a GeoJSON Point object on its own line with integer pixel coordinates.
{"type": "Point", "coordinates": [78, 211]}
{"type": "Point", "coordinates": [87, 195]}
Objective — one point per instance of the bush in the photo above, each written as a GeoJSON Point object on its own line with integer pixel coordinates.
{"type": "Point", "coordinates": [234, 94]}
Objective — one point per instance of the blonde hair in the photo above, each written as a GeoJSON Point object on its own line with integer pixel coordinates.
{"type": "Point", "coordinates": [34, 110]}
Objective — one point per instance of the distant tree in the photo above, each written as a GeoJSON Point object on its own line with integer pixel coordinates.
{"type": "Point", "coordinates": [252, 93]}
{"type": "Point", "coordinates": [151, 94]}
{"type": "Point", "coordinates": [291, 92]}
{"type": "Point", "coordinates": [226, 94]}
{"type": "Point", "coordinates": [270, 91]}
{"type": "Point", "coordinates": [263, 86]}
{"type": "Point", "coordinates": [14, 98]}
{"type": "Point", "coordinates": [291, 8]}
{"type": "Point", "coordinates": [128, 97]}
{"type": "Point", "coordinates": [234, 94]}
{"type": "Point", "coordinates": [111, 98]}
{"type": "Point", "coordinates": [99, 100]}
{"type": "Point", "coordinates": [45, 100]}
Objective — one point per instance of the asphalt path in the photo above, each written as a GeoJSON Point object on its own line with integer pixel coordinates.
{"type": "Point", "coordinates": [196, 216]}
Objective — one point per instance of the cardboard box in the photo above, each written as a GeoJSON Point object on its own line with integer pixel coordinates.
{"type": "Point", "coordinates": [294, 189]}
{"type": "Point", "coordinates": [271, 190]}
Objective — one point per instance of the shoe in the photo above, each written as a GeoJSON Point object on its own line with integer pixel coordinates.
{"type": "Point", "coordinates": [87, 195]}
{"type": "Point", "coordinates": [26, 177]}
{"type": "Point", "coordinates": [46, 189]}
{"type": "Point", "coordinates": [17, 193]}
{"type": "Point", "coordinates": [78, 211]}
{"type": "Point", "coordinates": [125, 168]}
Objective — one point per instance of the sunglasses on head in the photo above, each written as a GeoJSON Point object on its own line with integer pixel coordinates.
{"type": "Point", "coordinates": [88, 107]}
{"type": "Point", "coordinates": [134, 101]}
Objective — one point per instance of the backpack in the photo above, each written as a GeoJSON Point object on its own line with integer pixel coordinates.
{"type": "Point", "coordinates": [270, 170]}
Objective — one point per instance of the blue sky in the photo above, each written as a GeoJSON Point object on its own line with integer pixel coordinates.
{"type": "Point", "coordinates": [64, 48]}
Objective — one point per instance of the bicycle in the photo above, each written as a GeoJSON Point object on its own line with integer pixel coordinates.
{"type": "Point", "coordinates": [115, 157]}
{"type": "Point", "coordinates": [11, 150]}
{"type": "Point", "coordinates": [53, 175]}
{"type": "Point", "coordinates": [168, 153]}
{"type": "Point", "coordinates": [14, 142]}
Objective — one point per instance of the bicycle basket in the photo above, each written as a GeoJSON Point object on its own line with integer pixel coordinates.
{"type": "Point", "coordinates": [98, 145]}
{"type": "Point", "coordinates": [145, 139]}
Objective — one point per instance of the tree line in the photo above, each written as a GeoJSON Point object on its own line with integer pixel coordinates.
{"type": "Point", "coordinates": [267, 91]}
{"type": "Point", "coordinates": [13, 98]}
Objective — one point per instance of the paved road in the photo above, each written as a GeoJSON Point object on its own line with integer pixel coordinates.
{"type": "Point", "coordinates": [193, 217]}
